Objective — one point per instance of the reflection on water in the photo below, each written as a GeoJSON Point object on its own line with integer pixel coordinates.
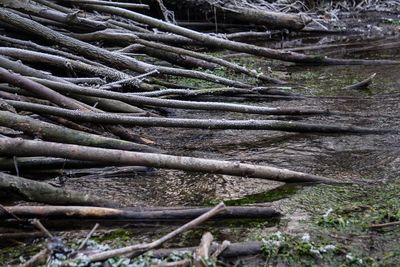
{"type": "Point", "coordinates": [374, 157]}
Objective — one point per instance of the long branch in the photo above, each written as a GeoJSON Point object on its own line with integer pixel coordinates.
{"type": "Point", "coordinates": [20, 147]}
{"type": "Point", "coordinates": [274, 125]}
{"type": "Point", "coordinates": [235, 46]}
{"type": "Point", "coordinates": [104, 55]}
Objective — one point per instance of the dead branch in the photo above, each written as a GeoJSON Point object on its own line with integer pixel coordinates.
{"type": "Point", "coordinates": [19, 147]}
{"type": "Point", "coordinates": [44, 193]}
{"type": "Point", "coordinates": [141, 248]}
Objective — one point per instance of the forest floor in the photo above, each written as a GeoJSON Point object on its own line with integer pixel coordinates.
{"type": "Point", "coordinates": [344, 225]}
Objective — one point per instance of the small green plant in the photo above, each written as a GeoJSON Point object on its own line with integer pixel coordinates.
{"type": "Point", "coordinates": [295, 250]}
{"type": "Point", "coordinates": [393, 21]}
{"type": "Point", "coordinates": [332, 220]}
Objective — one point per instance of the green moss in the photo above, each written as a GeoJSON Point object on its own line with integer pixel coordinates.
{"type": "Point", "coordinates": [303, 250]}
{"type": "Point", "coordinates": [353, 208]}
{"type": "Point", "coordinates": [10, 255]}
{"type": "Point", "coordinates": [393, 21]}
{"type": "Point", "coordinates": [344, 214]}
{"type": "Point", "coordinates": [117, 237]}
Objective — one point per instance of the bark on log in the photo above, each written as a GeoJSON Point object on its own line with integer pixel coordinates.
{"type": "Point", "coordinates": [43, 163]}
{"type": "Point", "coordinates": [232, 251]}
{"type": "Point", "coordinates": [20, 147]}
{"type": "Point", "coordinates": [111, 58]}
{"type": "Point", "coordinates": [96, 213]}
{"type": "Point", "coordinates": [67, 19]}
{"type": "Point", "coordinates": [131, 37]}
{"type": "Point", "coordinates": [241, 14]}
{"type": "Point", "coordinates": [138, 249]}
{"type": "Point", "coordinates": [38, 89]}
{"type": "Point", "coordinates": [149, 101]}
{"type": "Point", "coordinates": [52, 132]}
{"type": "Point", "coordinates": [62, 62]}
{"type": "Point", "coordinates": [49, 94]}
{"type": "Point", "coordinates": [108, 3]}
{"type": "Point", "coordinates": [274, 125]}
{"type": "Point", "coordinates": [235, 46]}
{"type": "Point", "coordinates": [34, 191]}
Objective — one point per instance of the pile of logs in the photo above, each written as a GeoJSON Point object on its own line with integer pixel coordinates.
{"type": "Point", "coordinates": [77, 77]}
{"type": "Point", "coordinates": [72, 80]}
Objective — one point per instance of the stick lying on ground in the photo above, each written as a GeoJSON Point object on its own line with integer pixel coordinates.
{"type": "Point", "coordinates": [141, 248]}
{"type": "Point", "coordinates": [233, 250]}
{"type": "Point", "coordinates": [361, 85]}
{"type": "Point", "coordinates": [105, 56]}
{"type": "Point", "coordinates": [20, 147]}
{"type": "Point", "coordinates": [150, 101]}
{"type": "Point", "coordinates": [274, 125]}
{"type": "Point", "coordinates": [52, 132]}
{"type": "Point", "coordinates": [44, 163]}
{"type": "Point", "coordinates": [164, 214]}
{"type": "Point", "coordinates": [44, 193]}
{"type": "Point", "coordinates": [231, 45]}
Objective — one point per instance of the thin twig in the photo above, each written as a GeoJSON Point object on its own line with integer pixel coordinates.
{"type": "Point", "coordinates": [141, 248]}
{"type": "Point", "coordinates": [40, 227]}
{"type": "Point", "coordinates": [4, 209]}
{"type": "Point", "coordinates": [382, 225]}
{"type": "Point", "coordinates": [37, 259]}
{"type": "Point", "coordinates": [88, 236]}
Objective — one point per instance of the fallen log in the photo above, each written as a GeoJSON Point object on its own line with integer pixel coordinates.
{"type": "Point", "coordinates": [231, 45]}
{"type": "Point", "coordinates": [54, 15]}
{"type": "Point", "coordinates": [45, 163]}
{"type": "Point", "coordinates": [150, 101]}
{"type": "Point", "coordinates": [103, 55]}
{"type": "Point", "coordinates": [240, 14]}
{"type": "Point", "coordinates": [164, 215]}
{"type": "Point", "coordinates": [209, 124]}
{"type": "Point", "coordinates": [20, 147]}
{"type": "Point", "coordinates": [39, 90]}
{"type": "Point", "coordinates": [51, 95]}
{"type": "Point", "coordinates": [232, 251]}
{"type": "Point", "coordinates": [52, 132]}
{"type": "Point", "coordinates": [138, 249]}
{"type": "Point", "coordinates": [41, 192]}
{"type": "Point", "coordinates": [108, 3]}
{"type": "Point", "coordinates": [362, 84]}
{"type": "Point", "coordinates": [126, 36]}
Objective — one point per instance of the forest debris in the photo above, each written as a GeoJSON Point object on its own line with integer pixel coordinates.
{"type": "Point", "coordinates": [133, 214]}
{"type": "Point", "coordinates": [44, 193]}
{"type": "Point", "coordinates": [232, 250]}
{"type": "Point", "coordinates": [202, 253]}
{"type": "Point", "coordinates": [89, 235]}
{"type": "Point", "coordinates": [37, 259]}
{"type": "Point", "coordinates": [274, 125]}
{"type": "Point", "coordinates": [52, 132]}
{"type": "Point", "coordinates": [20, 147]}
{"type": "Point", "coordinates": [235, 46]}
{"type": "Point", "coordinates": [361, 85]}
{"type": "Point", "coordinates": [384, 225]}
{"type": "Point", "coordinates": [141, 248]}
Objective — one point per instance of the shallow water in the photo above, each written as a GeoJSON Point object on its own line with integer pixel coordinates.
{"type": "Point", "coordinates": [337, 156]}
